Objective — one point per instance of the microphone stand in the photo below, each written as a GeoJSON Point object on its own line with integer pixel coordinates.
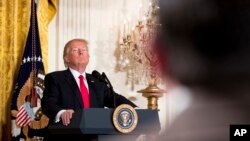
{"type": "Point", "coordinates": [110, 86]}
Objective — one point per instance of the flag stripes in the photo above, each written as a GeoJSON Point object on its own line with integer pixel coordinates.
{"type": "Point", "coordinates": [22, 118]}
{"type": "Point", "coordinates": [25, 115]}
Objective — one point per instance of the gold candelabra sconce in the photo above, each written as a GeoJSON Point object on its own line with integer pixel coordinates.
{"type": "Point", "coordinates": [137, 56]}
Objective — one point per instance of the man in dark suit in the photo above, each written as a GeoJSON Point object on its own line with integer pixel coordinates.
{"type": "Point", "coordinates": [207, 49]}
{"type": "Point", "coordinates": [63, 93]}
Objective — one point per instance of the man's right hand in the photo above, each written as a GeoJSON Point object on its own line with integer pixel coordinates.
{"type": "Point", "coordinates": [66, 116]}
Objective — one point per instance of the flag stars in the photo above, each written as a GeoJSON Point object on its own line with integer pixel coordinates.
{"type": "Point", "coordinates": [24, 60]}
{"type": "Point", "coordinates": [32, 59]}
{"type": "Point", "coordinates": [28, 59]}
{"type": "Point", "coordinates": [39, 59]}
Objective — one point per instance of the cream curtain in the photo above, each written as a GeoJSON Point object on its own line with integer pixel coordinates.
{"type": "Point", "coordinates": [14, 26]}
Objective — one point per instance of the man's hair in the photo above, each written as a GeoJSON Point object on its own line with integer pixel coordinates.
{"type": "Point", "coordinates": [68, 45]}
{"type": "Point", "coordinates": [206, 38]}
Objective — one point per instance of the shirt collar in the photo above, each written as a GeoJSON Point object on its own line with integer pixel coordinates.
{"type": "Point", "coordinates": [76, 73]}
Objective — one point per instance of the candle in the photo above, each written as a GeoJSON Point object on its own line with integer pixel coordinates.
{"type": "Point", "coordinates": [140, 11]}
{"type": "Point", "coordinates": [124, 28]}
{"type": "Point", "coordinates": [129, 22]}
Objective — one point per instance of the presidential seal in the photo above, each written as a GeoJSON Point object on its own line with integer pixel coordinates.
{"type": "Point", "coordinates": [125, 118]}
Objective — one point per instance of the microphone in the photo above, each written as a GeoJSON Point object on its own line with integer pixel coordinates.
{"type": "Point", "coordinates": [104, 78]}
{"type": "Point", "coordinates": [97, 75]}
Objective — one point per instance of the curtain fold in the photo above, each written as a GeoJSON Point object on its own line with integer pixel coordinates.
{"type": "Point", "coordinates": [14, 26]}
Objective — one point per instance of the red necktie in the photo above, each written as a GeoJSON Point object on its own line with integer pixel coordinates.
{"type": "Point", "coordinates": [84, 91]}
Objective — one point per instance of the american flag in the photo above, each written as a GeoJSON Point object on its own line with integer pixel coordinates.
{"type": "Point", "coordinates": [25, 115]}
{"type": "Point", "coordinates": [27, 121]}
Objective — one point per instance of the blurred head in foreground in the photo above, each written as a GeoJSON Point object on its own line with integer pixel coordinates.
{"type": "Point", "coordinates": [205, 45]}
{"type": "Point", "coordinates": [206, 41]}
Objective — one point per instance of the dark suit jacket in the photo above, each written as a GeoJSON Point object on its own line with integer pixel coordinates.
{"type": "Point", "coordinates": [62, 92]}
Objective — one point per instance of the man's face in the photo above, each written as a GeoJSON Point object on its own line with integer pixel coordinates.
{"type": "Point", "coordinates": [77, 56]}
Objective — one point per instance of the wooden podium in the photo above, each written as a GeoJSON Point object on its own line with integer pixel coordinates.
{"type": "Point", "coordinates": [98, 122]}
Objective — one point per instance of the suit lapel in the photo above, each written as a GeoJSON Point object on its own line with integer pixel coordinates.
{"type": "Point", "coordinates": [92, 94]}
{"type": "Point", "coordinates": [73, 85]}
